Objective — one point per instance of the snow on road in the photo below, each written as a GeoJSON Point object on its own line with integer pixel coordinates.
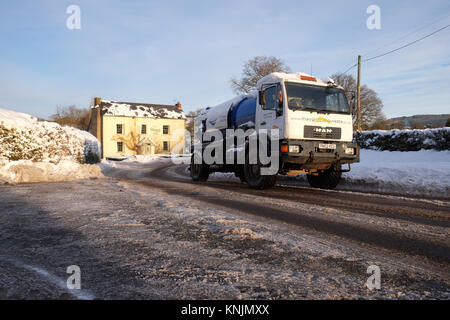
{"type": "Point", "coordinates": [145, 233]}
{"type": "Point", "coordinates": [159, 238]}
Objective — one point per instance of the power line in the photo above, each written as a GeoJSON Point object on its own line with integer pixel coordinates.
{"type": "Point", "coordinates": [404, 46]}
{"type": "Point", "coordinates": [410, 33]}
{"type": "Point", "coordinates": [408, 44]}
{"type": "Point", "coordinates": [350, 68]}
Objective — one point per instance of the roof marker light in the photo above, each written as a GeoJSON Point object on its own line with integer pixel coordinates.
{"type": "Point", "coordinates": [309, 78]}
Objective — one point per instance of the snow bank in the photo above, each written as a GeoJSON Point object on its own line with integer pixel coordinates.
{"type": "Point", "coordinates": [14, 119]}
{"type": "Point", "coordinates": [425, 172]}
{"type": "Point", "coordinates": [405, 140]}
{"type": "Point", "coordinates": [23, 137]}
{"type": "Point", "coordinates": [14, 172]}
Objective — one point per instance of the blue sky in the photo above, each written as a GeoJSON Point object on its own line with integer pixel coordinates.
{"type": "Point", "coordinates": [164, 51]}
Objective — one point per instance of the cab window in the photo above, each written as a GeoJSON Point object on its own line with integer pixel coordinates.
{"type": "Point", "coordinates": [271, 98]}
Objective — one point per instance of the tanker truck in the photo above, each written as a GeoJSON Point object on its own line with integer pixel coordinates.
{"type": "Point", "coordinates": [313, 121]}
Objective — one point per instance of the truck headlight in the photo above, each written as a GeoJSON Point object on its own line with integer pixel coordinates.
{"type": "Point", "coordinates": [349, 150]}
{"type": "Point", "coordinates": [294, 149]}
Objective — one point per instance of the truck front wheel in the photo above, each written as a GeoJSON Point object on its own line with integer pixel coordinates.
{"type": "Point", "coordinates": [252, 174]}
{"type": "Point", "coordinates": [327, 179]}
{"type": "Point", "coordinates": [199, 171]}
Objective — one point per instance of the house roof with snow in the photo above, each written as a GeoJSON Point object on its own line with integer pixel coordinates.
{"type": "Point", "coordinates": [143, 110]}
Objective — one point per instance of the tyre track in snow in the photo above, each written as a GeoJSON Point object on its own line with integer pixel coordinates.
{"type": "Point", "coordinates": [424, 213]}
{"type": "Point", "coordinates": [427, 212]}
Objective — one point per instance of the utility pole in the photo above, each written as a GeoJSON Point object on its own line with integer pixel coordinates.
{"type": "Point", "coordinates": [358, 94]}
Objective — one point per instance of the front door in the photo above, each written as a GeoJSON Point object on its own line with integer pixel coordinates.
{"type": "Point", "coordinates": [270, 115]}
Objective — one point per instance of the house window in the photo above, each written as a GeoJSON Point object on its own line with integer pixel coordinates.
{"type": "Point", "coordinates": [165, 145]}
{"type": "Point", "coordinates": [119, 128]}
{"type": "Point", "coordinates": [144, 129]}
{"type": "Point", "coordinates": [165, 129]}
{"type": "Point", "coordinates": [119, 146]}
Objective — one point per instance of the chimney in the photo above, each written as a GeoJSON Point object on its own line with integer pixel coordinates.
{"type": "Point", "coordinates": [178, 104]}
{"type": "Point", "coordinates": [97, 101]}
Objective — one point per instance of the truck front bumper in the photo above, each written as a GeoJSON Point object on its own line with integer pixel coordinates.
{"type": "Point", "coordinates": [317, 154]}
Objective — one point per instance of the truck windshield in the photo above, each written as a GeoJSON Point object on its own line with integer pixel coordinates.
{"type": "Point", "coordinates": [315, 98]}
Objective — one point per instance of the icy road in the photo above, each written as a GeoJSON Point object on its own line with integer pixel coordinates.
{"type": "Point", "coordinates": [148, 232]}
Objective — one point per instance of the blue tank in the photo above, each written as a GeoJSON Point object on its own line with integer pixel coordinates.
{"type": "Point", "coordinates": [242, 113]}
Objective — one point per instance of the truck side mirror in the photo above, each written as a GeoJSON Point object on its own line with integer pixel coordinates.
{"type": "Point", "coordinates": [262, 98]}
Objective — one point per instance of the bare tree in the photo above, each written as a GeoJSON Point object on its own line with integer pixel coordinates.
{"type": "Point", "coordinates": [379, 125]}
{"type": "Point", "coordinates": [190, 121]}
{"type": "Point", "coordinates": [253, 70]}
{"type": "Point", "coordinates": [72, 116]}
{"type": "Point", "coordinates": [418, 125]}
{"type": "Point", "coordinates": [371, 104]}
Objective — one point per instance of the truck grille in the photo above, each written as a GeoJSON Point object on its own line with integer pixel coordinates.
{"type": "Point", "coordinates": [322, 133]}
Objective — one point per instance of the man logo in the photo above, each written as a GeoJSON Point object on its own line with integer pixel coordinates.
{"type": "Point", "coordinates": [323, 130]}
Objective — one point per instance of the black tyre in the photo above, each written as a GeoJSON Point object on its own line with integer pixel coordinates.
{"type": "Point", "coordinates": [328, 179]}
{"type": "Point", "coordinates": [199, 172]}
{"type": "Point", "coordinates": [239, 172]}
{"type": "Point", "coordinates": [252, 174]}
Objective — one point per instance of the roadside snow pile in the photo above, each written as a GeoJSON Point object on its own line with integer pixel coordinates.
{"type": "Point", "coordinates": [23, 137]}
{"type": "Point", "coordinates": [405, 140]}
{"type": "Point", "coordinates": [28, 171]}
{"type": "Point", "coordinates": [424, 172]}
{"type": "Point", "coordinates": [40, 151]}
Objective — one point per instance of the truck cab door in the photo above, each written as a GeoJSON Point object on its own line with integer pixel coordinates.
{"type": "Point", "coordinates": [270, 115]}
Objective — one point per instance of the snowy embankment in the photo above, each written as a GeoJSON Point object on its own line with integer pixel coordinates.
{"type": "Point", "coordinates": [35, 151]}
{"type": "Point", "coordinates": [424, 172]}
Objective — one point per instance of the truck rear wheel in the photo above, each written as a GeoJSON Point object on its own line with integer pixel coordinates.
{"type": "Point", "coordinates": [199, 171]}
{"type": "Point", "coordinates": [252, 174]}
{"type": "Point", "coordinates": [328, 179]}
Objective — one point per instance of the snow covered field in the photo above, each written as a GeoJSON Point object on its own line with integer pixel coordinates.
{"type": "Point", "coordinates": [424, 172]}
